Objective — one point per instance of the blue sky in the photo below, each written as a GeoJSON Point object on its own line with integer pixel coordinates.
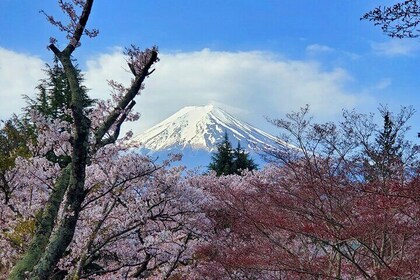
{"type": "Point", "coordinates": [252, 58]}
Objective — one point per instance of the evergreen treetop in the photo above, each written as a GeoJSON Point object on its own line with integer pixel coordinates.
{"type": "Point", "coordinates": [227, 161]}
{"type": "Point", "coordinates": [242, 161]}
{"type": "Point", "coordinates": [386, 154]}
{"type": "Point", "coordinates": [54, 94]}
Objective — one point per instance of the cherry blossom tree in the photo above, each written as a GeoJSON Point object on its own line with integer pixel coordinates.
{"type": "Point", "coordinates": [319, 211]}
{"type": "Point", "coordinates": [137, 220]}
{"type": "Point", "coordinates": [108, 213]}
{"type": "Point", "coordinates": [80, 203]}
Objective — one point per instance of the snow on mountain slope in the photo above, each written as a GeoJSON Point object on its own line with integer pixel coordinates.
{"type": "Point", "coordinates": [202, 127]}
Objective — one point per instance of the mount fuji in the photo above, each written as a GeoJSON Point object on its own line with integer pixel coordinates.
{"type": "Point", "coordinates": [195, 131]}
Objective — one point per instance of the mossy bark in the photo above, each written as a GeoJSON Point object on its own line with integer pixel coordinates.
{"type": "Point", "coordinates": [44, 228]}
{"type": "Point", "coordinates": [53, 238]}
{"type": "Point", "coordinates": [75, 196]}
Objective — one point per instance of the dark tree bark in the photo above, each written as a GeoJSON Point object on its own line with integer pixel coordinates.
{"type": "Point", "coordinates": [44, 228]}
{"type": "Point", "coordinates": [47, 249]}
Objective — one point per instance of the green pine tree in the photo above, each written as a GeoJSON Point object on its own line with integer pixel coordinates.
{"type": "Point", "coordinates": [54, 96]}
{"type": "Point", "coordinates": [387, 140]}
{"type": "Point", "coordinates": [242, 161]}
{"type": "Point", "coordinates": [389, 150]}
{"type": "Point", "coordinates": [222, 160]}
{"type": "Point", "coordinates": [227, 161]}
{"type": "Point", "coordinates": [387, 153]}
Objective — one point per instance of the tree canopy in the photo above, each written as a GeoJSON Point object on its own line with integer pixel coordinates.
{"type": "Point", "coordinates": [53, 98]}
{"type": "Point", "coordinates": [227, 161]}
{"type": "Point", "coordinates": [320, 212]}
{"type": "Point", "coordinates": [399, 20]}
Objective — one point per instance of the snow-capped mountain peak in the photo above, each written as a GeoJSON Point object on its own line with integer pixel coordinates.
{"type": "Point", "coordinates": [201, 127]}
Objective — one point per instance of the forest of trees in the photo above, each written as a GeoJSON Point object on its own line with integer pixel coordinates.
{"type": "Point", "coordinates": [339, 201]}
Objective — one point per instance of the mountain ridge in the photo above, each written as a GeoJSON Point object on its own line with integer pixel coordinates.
{"type": "Point", "coordinates": [202, 127]}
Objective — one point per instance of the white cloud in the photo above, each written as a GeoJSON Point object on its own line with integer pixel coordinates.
{"type": "Point", "coordinates": [19, 75]}
{"type": "Point", "coordinates": [383, 84]}
{"type": "Point", "coordinates": [316, 48]}
{"type": "Point", "coordinates": [395, 47]}
{"type": "Point", "coordinates": [249, 84]}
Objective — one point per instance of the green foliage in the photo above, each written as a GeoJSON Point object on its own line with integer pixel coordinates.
{"type": "Point", "coordinates": [15, 135]}
{"type": "Point", "coordinates": [242, 161]}
{"type": "Point", "coordinates": [229, 161]}
{"type": "Point", "coordinates": [53, 100]}
{"type": "Point", "coordinates": [388, 146]}
{"type": "Point", "coordinates": [222, 161]}
{"type": "Point", "coordinates": [22, 233]}
{"type": "Point", "coordinates": [54, 97]}
{"type": "Point", "coordinates": [19, 236]}
{"type": "Point", "coordinates": [385, 156]}
{"type": "Point", "coordinates": [45, 221]}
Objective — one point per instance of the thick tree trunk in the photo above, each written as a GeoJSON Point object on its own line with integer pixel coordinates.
{"type": "Point", "coordinates": [63, 236]}
{"type": "Point", "coordinates": [46, 249]}
{"type": "Point", "coordinates": [44, 228]}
